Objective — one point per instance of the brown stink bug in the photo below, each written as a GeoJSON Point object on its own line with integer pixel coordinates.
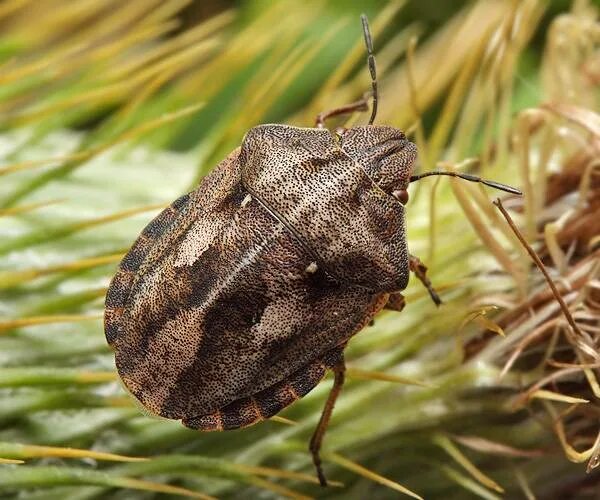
{"type": "Point", "coordinates": [235, 300]}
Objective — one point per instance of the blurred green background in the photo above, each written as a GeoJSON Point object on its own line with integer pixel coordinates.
{"type": "Point", "coordinates": [425, 16]}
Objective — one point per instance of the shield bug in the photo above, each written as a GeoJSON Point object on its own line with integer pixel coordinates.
{"type": "Point", "coordinates": [237, 299]}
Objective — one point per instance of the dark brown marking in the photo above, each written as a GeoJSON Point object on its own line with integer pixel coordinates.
{"type": "Point", "coordinates": [212, 422]}
{"type": "Point", "coordinates": [335, 356]}
{"type": "Point", "coordinates": [396, 302]}
{"type": "Point", "coordinates": [239, 414]}
{"type": "Point", "coordinates": [112, 323]}
{"type": "Point", "coordinates": [116, 299]}
{"type": "Point", "coordinates": [136, 255]}
{"type": "Point", "coordinates": [305, 380]}
{"type": "Point", "coordinates": [271, 401]}
{"type": "Point", "coordinates": [181, 202]}
{"type": "Point", "coordinates": [119, 290]}
{"type": "Point", "coordinates": [161, 223]}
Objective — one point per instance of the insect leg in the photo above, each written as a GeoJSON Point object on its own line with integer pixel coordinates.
{"type": "Point", "coordinates": [396, 302]}
{"type": "Point", "coordinates": [317, 438]}
{"type": "Point", "coordinates": [420, 270]}
{"type": "Point", "coordinates": [361, 105]}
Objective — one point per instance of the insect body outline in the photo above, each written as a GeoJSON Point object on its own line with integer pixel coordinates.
{"type": "Point", "coordinates": [237, 299]}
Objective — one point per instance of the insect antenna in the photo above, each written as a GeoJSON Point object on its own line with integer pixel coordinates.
{"type": "Point", "coordinates": [472, 178]}
{"type": "Point", "coordinates": [371, 64]}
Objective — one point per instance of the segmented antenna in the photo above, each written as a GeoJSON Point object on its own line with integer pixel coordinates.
{"type": "Point", "coordinates": [371, 64]}
{"type": "Point", "coordinates": [472, 178]}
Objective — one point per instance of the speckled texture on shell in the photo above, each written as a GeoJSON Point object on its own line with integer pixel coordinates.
{"type": "Point", "coordinates": [389, 157]}
{"type": "Point", "coordinates": [217, 309]}
{"type": "Point", "coordinates": [353, 228]}
{"type": "Point", "coordinates": [268, 402]}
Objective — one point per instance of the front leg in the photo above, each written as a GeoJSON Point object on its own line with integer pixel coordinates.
{"type": "Point", "coordinates": [420, 270]}
{"type": "Point", "coordinates": [360, 105]}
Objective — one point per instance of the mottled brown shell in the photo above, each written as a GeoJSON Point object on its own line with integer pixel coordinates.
{"type": "Point", "coordinates": [351, 227]}
{"type": "Point", "coordinates": [234, 301]}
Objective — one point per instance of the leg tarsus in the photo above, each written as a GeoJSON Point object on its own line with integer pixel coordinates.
{"type": "Point", "coordinates": [420, 271]}
{"type": "Point", "coordinates": [317, 437]}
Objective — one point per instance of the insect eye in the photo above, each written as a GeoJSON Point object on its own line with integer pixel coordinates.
{"type": "Point", "coordinates": [401, 195]}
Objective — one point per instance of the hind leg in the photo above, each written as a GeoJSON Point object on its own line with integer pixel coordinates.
{"type": "Point", "coordinates": [317, 438]}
